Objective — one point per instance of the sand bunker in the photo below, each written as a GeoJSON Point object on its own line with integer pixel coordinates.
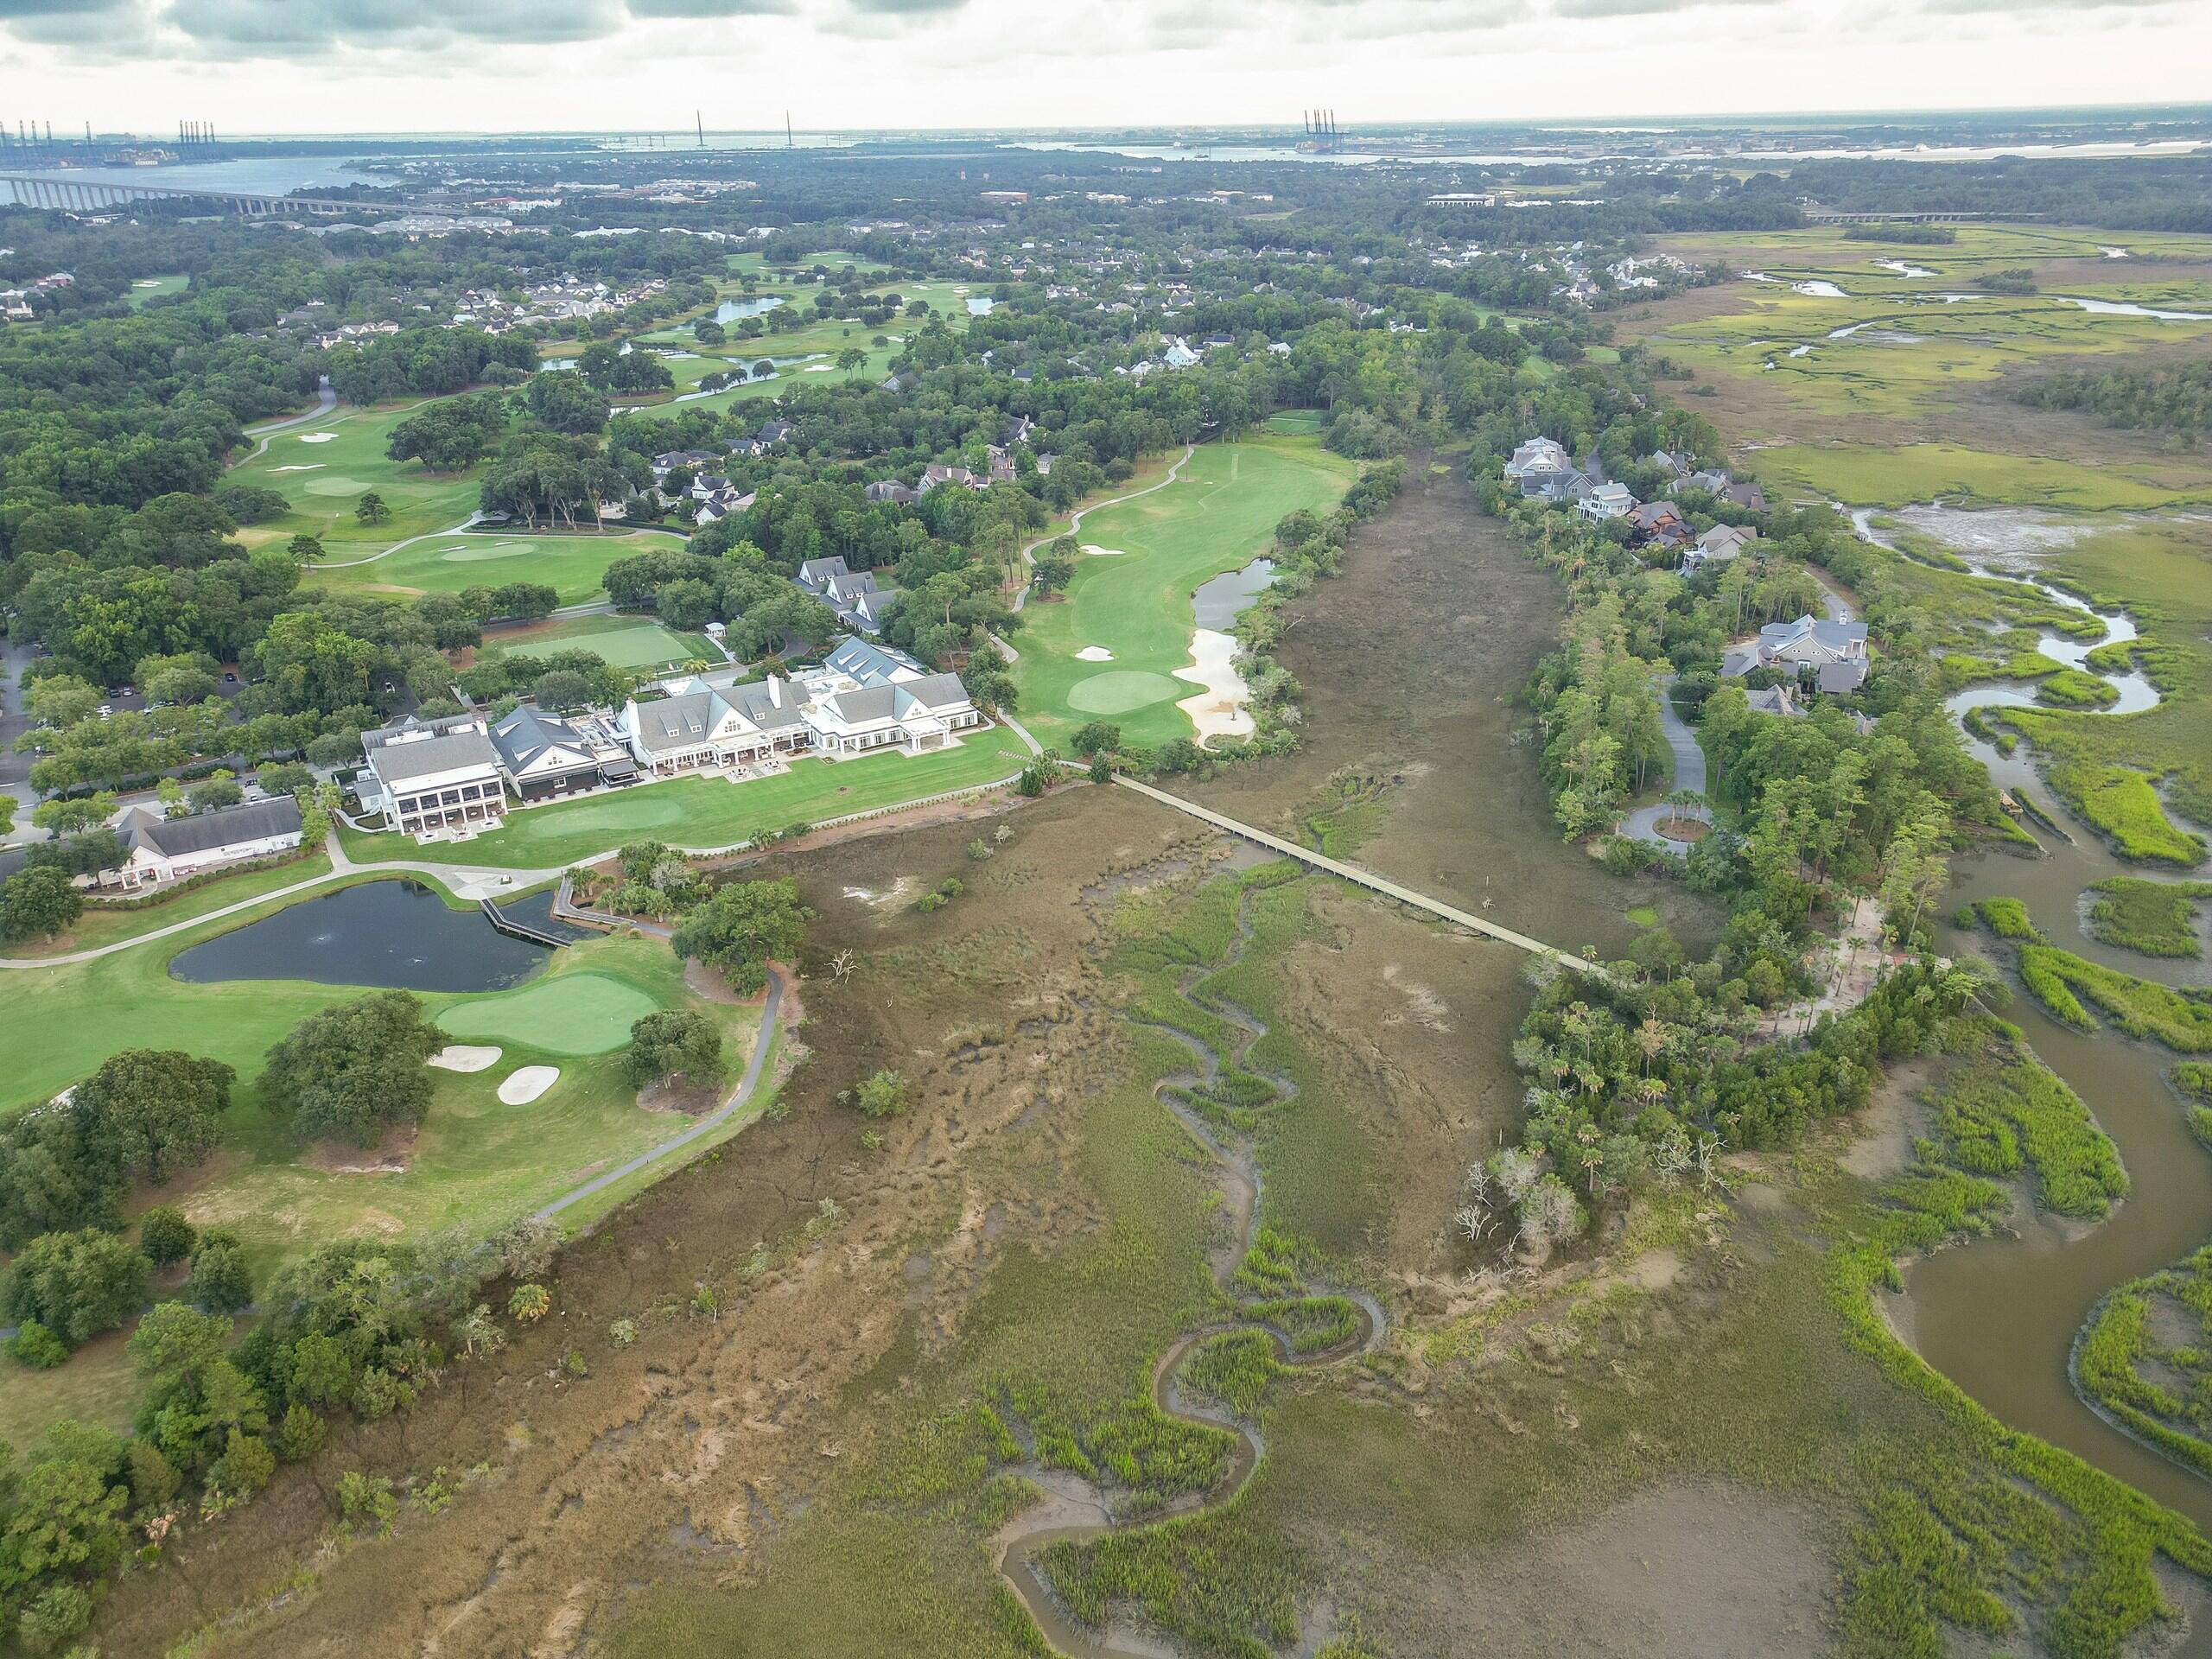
{"type": "Point", "coordinates": [317, 437]}
{"type": "Point", "coordinates": [1218, 711]}
{"type": "Point", "coordinates": [464, 1057]}
{"type": "Point", "coordinates": [821, 368]}
{"type": "Point", "coordinates": [302, 467]}
{"type": "Point", "coordinates": [1094, 654]}
{"type": "Point", "coordinates": [1097, 552]}
{"type": "Point", "coordinates": [526, 1083]}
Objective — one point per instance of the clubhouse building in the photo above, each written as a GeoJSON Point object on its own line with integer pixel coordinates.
{"type": "Point", "coordinates": [865, 698]}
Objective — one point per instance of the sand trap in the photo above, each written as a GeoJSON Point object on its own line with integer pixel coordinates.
{"type": "Point", "coordinates": [317, 437]}
{"type": "Point", "coordinates": [151, 282]}
{"type": "Point", "coordinates": [302, 466]}
{"type": "Point", "coordinates": [1097, 552]}
{"type": "Point", "coordinates": [1218, 711]}
{"type": "Point", "coordinates": [526, 1083]}
{"type": "Point", "coordinates": [464, 1057]}
{"type": "Point", "coordinates": [822, 368]}
{"type": "Point", "coordinates": [1094, 654]}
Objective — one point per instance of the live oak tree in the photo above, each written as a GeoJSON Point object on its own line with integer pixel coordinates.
{"type": "Point", "coordinates": [352, 1071]}
{"type": "Point", "coordinates": [742, 927]}
{"type": "Point", "coordinates": [76, 1285]}
{"type": "Point", "coordinates": [37, 904]}
{"type": "Point", "coordinates": [675, 1042]}
{"type": "Point", "coordinates": [155, 1112]}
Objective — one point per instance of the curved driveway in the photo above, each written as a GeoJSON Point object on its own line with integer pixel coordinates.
{"type": "Point", "coordinates": [1643, 824]}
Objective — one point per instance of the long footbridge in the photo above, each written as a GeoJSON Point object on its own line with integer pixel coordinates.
{"type": "Point", "coordinates": [78, 193]}
{"type": "Point", "coordinates": [1367, 879]}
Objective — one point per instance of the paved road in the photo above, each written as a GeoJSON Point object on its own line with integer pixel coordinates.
{"type": "Point", "coordinates": [1643, 824]}
{"type": "Point", "coordinates": [1367, 879]}
{"type": "Point", "coordinates": [761, 1043]}
{"type": "Point", "coordinates": [16, 769]}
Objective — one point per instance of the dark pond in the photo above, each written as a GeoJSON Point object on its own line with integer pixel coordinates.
{"type": "Point", "coordinates": [381, 933]}
{"type": "Point", "coordinates": [732, 310]}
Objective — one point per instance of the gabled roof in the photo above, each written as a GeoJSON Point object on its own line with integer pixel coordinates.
{"type": "Point", "coordinates": [395, 763]}
{"type": "Point", "coordinates": [203, 831]}
{"type": "Point", "coordinates": [681, 722]}
{"type": "Point", "coordinates": [527, 733]}
{"type": "Point", "coordinates": [868, 662]}
{"type": "Point", "coordinates": [820, 573]}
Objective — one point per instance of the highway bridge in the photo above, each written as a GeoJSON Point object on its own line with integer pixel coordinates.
{"type": "Point", "coordinates": [76, 193]}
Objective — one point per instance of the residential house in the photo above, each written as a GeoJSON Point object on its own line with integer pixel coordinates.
{"type": "Point", "coordinates": [869, 609]}
{"type": "Point", "coordinates": [1677, 466]}
{"type": "Point", "coordinates": [157, 850]}
{"type": "Point", "coordinates": [1657, 523]}
{"type": "Point", "coordinates": [1606, 501]}
{"type": "Point", "coordinates": [774, 432]}
{"type": "Point", "coordinates": [430, 775]}
{"type": "Point", "coordinates": [543, 755]}
{"type": "Point", "coordinates": [890, 492]}
{"type": "Point", "coordinates": [1016, 430]}
{"type": "Point", "coordinates": [1721, 544]}
{"type": "Point", "coordinates": [937, 472]}
{"type": "Point", "coordinates": [1750, 497]}
{"type": "Point", "coordinates": [1836, 651]}
{"type": "Point", "coordinates": [817, 576]}
{"type": "Point", "coordinates": [1538, 458]}
{"type": "Point", "coordinates": [1712, 482]}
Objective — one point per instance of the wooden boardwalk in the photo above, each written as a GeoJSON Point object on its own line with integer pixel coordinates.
{"type": "Point", "coordinates": [1367, 879]}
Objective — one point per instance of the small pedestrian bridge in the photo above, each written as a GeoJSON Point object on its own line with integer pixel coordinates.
{"type": "Point", "coordinates": [1367, 879]}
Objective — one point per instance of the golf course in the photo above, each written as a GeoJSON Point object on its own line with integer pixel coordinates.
{"type": "Point", "coordinates": [625, 641]}
{"type": "Point", "coordinates": [476, 1161]}
{"type": "Point", "coordinates": [1130, 596]}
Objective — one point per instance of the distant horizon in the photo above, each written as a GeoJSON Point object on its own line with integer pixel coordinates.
{"type": "Point", "coordinates": [1642, 122]}
{"type": "Point", "coordinates": [326, 68]}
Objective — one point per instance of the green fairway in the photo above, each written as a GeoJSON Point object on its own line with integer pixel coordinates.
{"type": "Point", "coordinates": [157, 287]}
{"type": "Point", "coordinates": [324, 468]}
{"type": "Point", "coordinates": [624, 641]}
{"type": "Point", "coordinates": [711, 812]}
{"type": "Point", "coordinates": [1219, 515]}
{"type": "Point", "coordinates": [571, 565]}
{"type": "Point", "coordinates": [574, 1014]}
{"type": "Point", "coordinates": [1290, 421]}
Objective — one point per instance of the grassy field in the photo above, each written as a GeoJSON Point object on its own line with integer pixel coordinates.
{"type": "Point", "coordinates": [571, 1013]}
{"type": "Point", "coordinates": [324, 467]}
{"type": "Point", "coordinates": [98, 926]}
{"type": "Point", "coordinates": [571, 564]}
{"type": "Point", "coordinates": [711, 812]}
{"type": "Point", "coordinates": [624, 641]}
{"type": "Point", "coordinates": [157, 287]}
{"type": "Point", "coordinates": [1219, 515]}
{"type": "Point", "coordinates": [1877, 476]}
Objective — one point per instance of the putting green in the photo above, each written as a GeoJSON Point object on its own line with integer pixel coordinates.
{"type": "Point", "coordinates": [572, 1014]}
{"type": "Point", "coordinates": [1121, 690]}
{"type": "Point", "coordinates": [330, 484]}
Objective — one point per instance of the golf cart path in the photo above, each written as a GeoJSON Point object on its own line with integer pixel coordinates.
{"type": "Point", "coordinates": [1075, 524]}
{"type": "Point", "coordinates": [325, 400]}
{"type": "Point", "coordinates": [763, 1041]}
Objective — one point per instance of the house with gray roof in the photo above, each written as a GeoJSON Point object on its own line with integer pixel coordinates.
{"type": "Point", "coordinates": [1719, 545]}
{"type": "Point", "coordinates": [157, 849]}
{"type": "Point", "coordinates": [545, 756]}
{"type": "Point", "coordinates": [428, 777]}
{"type": "Point", "coordinates": [1836, 651]}
{"type": "Point", "coordinates": [815, 576]}
{"type": "Point", "coordinates": [1537, 456]}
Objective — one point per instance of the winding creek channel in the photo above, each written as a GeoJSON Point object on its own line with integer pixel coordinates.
{"type": "Point", "coordinates": [1999, 1316]}
{"type": "Point", "coordinates": [1074, 1509]}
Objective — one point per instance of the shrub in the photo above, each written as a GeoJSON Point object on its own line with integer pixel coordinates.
{"type": "Point", "coordinates": [530, 1303]}
{"type": "Point", "coordinates": [165, 1235]}
{"type": "Point", "coordinates": [883, 1095]}
{"type": "Point", "coordinates": [36, 1347]}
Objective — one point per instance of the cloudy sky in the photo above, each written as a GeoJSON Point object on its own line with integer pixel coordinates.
{"type": "Point", "coordinates": [344, 66]}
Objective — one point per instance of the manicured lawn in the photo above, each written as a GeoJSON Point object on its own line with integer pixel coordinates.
{"type": "Point", "coordinates": [324, 468]}
{"type": "Point", "coordinates": [157, 288]}
{"type": "Point", "coordinates": [98, 926]}
{"type": "Point", "coordinates": [571, 1013]}
{"type": "Point", "coordinates": [1219, 515]}
{"type": "Point", "coordinates": [571, 564]}
{"type": "Point", "coordinates": [711, 812]}
{"type": "Point", "coordinates": [624, 641]}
